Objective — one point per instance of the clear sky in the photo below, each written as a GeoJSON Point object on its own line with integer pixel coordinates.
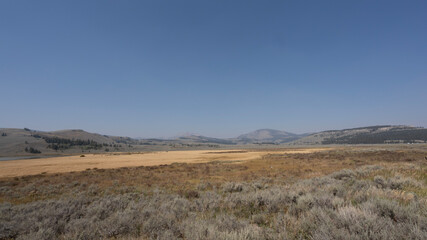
{"type": "Point", "coordinates": [216, 68]}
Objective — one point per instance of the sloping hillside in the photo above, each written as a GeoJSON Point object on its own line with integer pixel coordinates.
{"type": "Point", "coordinates": [27, 142]}
{"type": "Point", "coordinates": [15, 141]}
{"type": "Point", "coordinates": [78, 134]}
{"type": "Point", "coordinates": [203, 139]}
{"type": "Point", "coordinates": [267, 136]}
{"type": "Point", "coordinates": [368, 135]}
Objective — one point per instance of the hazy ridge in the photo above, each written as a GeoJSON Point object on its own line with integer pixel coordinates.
{"type": "Point", "coordinates": [15, 141]}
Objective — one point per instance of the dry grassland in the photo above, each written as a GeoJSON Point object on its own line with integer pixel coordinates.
{"type": "Point", "coordinates": [367, 192]}
{"type": "Point", "coordinates": [117, 160]}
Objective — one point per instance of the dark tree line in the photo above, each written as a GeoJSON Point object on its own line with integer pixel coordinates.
{"type": "Point", "coordinates": [71, 142]}
{"type": "Point", "coordinates": [112, 145]}
{"type": "Point", "coordinates": [406, 136]}
{"type": "Point", "coordinates": [32, 150]}
{"type": "Point", "coordinates": [57, 143]}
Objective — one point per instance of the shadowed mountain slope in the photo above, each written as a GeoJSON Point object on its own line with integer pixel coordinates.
{"type": "Point", "coordinates": [368, 135]}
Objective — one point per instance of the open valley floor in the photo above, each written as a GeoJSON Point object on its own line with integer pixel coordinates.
{"type": "Point", "coordinates": [332, 192]}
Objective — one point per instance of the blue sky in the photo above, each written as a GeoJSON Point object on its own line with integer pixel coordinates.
{"type": "Point", "coordinates": [216, 68]}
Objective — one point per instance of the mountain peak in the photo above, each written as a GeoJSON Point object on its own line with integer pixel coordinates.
{"type": "Point", "coordinates": [268, 135]}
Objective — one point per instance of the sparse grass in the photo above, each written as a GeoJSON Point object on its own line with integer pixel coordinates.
{"type": "Point", "coordinates": [343, 194]}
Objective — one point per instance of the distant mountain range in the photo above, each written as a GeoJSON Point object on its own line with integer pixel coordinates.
{"type": "Point", "coordinates": [368, 135]}
{"type": "Point", "coordinates": [203, 139]}
{"type": "Point", "coordinates": [268, 136]}
{"type": "Point", "coordinates": [382, 134]}
{"type": "Point", "coordinates": [26, 142]}
{"type": "Point", "coordinates": [261, 136]}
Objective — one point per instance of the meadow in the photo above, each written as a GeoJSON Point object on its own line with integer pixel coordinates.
{"type": "Point", "coordinates": [81, 162]}
{"type": "Point", "coordinates": [345, 192]}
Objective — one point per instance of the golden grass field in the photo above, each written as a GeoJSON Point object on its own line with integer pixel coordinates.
{"type": "Point", "coordinates": [338, 192]}
{"type": "Point", "coordinates": [116, 160]}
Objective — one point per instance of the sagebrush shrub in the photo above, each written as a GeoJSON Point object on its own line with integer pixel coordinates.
{"type": "Point", "coordinates": [348, 204]}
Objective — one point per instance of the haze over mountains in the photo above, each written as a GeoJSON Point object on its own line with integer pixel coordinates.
{"type": "Point", "coordinates": [368, 135]}
{"type": "Point", "coordinates": [363, 135]}
{"type": "Point", "coordinates": [27, 142]}
{"type": "Point", "coordinates": [269, 136]}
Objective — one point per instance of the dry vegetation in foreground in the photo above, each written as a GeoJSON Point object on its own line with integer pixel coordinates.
{"type": "Point", "coordinates": [352, 193]}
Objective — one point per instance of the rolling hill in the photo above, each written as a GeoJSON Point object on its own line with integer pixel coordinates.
{"type": "Point", "coordinates": [367, 135]}
{"type": "Point", "coordinates": [14, 141]}
{"type": "Point", "coordinates": [203, 139]}
{"type": "Point", "coordinates": [22, 142]}
{"type": "Point", "coordinates": [268, 136]}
